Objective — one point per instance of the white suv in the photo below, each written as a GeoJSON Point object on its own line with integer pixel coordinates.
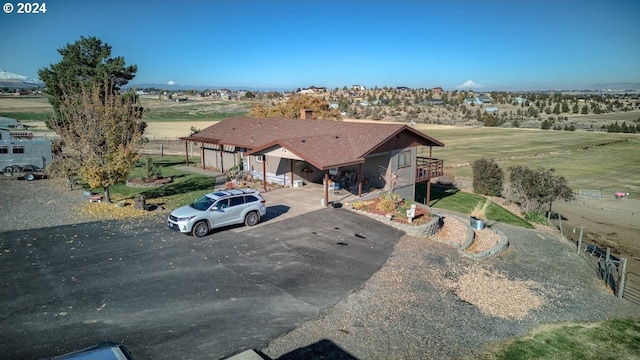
{"type": "Point", "coordinates": [217, 209]}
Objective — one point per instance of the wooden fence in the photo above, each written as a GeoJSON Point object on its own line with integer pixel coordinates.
{"type": "Point", "coordinates": [610, 268]}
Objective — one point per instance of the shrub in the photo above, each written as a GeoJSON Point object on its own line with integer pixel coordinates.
{"type": "Point", "coordinates": [387, 205]}
{"type": "Point", "coordinates": [536, 217]}
{"type": "Point", "coordinates": [151, 170]}
{"type": "Point", "coordinates": [447, 179]}
{"type": "Point", "coordinates": [532, 189]}
{"type": "Point", "coordinates": [487, 177]}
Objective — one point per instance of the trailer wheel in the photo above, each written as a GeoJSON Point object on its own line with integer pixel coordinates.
{"type": "Point", "coordinates": [29, 168]}
{"type": "Point", "coordinates": [29, 176]}
{"type": "Point", "coordinates": [8, 169]}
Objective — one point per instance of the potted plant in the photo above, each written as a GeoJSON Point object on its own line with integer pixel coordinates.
{"type": "Point", "coordinates": [479, 214]}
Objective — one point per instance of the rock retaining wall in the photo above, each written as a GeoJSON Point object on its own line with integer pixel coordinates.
{"type": "Point", "coordinates": [435, 225]}
{"type": "Point", "coordinates": [427, 230]}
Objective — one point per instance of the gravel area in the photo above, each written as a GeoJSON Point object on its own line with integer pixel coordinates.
{"type": "Point", "coordinates": [426, 302]}
{"type": "Point", "coordinates": [38, 203]}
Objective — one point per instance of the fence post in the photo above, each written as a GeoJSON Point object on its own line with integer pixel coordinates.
{"type": "Point", "coordinates": [622, 275]}
{"type": "Point", "coordinates": [580, 239]}
{"type": "Point", "coordinates": [560, 221]}
{"type": "Point", "coordinates": [607, 266]}
{"type": "Point", "coordinates": [161, 150]}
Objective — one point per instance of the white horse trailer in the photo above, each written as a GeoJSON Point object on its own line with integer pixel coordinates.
{"type": "Point", "coordinates": [25, 157]}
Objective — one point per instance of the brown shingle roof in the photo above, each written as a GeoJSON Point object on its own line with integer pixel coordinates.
{"type": "Point", "coordinates": [322, 143]}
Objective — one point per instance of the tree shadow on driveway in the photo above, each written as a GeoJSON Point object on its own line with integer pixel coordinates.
{"type": "Point", "coordinates": [275, 211]}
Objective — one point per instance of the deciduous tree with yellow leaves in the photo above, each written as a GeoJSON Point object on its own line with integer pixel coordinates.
{"type": "Point", "coordinates": [291, 109]}
{"type": "Point", "coordinates": [105, 130]}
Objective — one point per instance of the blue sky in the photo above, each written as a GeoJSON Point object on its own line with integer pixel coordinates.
{"type": "Point", "coordinates": [299, 43]}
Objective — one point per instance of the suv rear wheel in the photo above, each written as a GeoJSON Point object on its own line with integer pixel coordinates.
{"type": "Point", "coordinates": [200, 229]}
{"type": "Point", "coordinates": [251, 218]}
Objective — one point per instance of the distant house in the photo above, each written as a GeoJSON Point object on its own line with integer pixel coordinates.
{"type": "Point", "coordinates": [402, 88]}
{"type": "Point", "coordinates": [358, 88]}
{"type": "Point", "coordinates": [437, 90]}
{"type": "Point", "coordinates": [484, 99]}
{"type": "Point", "coordinates": [355, 154]}
{"type": "Point", "coordinates": [333, 104]}
{"type": "Point", "coordinates": [433, 102]}
{"type": "Point", "coordinates": [519, 100]}
{"type": "Point", "coordinates": [491, 109]}
{"type": "Point", "coordinates": [364, 103]}
{"type": "Point", "coordinates": [472, 101]}
{"type": "Point", "coordinates": [478, 100]}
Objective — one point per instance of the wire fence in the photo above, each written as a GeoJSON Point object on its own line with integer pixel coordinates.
{"type": "Point", "coordinates": [167, 147]}
{"type": "Point", "coordinates": [609, 209]}
{"type": "Point", "coordinates": [610, 268]}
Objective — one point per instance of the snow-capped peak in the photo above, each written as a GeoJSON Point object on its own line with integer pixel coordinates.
{"type": "Point", "coordinates": [5, 75]}
{"type": "Point", "coordinates": [469, 85]}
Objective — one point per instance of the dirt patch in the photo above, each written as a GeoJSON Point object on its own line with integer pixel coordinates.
{"type": "Point", "coordinates": [604, 226]}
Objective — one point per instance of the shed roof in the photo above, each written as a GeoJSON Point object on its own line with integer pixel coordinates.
{"type": "Point", "coordinates": [324, 144]}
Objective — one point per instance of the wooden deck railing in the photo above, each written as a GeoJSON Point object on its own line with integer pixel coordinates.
{"type": "Point", "coordinates": [427, 168]}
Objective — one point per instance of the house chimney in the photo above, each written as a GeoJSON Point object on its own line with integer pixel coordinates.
{"type": "Point", "coordinates": [306, 114]}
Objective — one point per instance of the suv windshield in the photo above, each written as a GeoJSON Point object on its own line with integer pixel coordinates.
{"type": "Point", "coordinates": [202, 204]}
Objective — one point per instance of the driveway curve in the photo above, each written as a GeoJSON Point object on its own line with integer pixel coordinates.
{"type": "Point", "coordinates": [167, 295]}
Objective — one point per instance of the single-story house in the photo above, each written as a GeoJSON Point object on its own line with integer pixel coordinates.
{"type": "Point", "coordinates": [491, 109]}
{"type": "Point", "coordinates": [350, 155]}
{"type": "Point", "coordinates": [478, 100]}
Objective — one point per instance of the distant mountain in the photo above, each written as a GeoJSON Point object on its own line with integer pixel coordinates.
{"type": "Point", "coordinates": [11, 80]}
{"type": "Point", "coordinates": [470, 84]}
{"type": "Point", "coordinates": [616, 86]}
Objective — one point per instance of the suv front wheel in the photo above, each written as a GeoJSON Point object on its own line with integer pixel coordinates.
{"type": "Point", "coordinates": [252, 218]}
{"type": "Point", "coordinates": [200, 229]}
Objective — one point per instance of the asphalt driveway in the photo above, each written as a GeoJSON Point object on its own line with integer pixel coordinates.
{"type": "Point", "coordinates": [171, 296]}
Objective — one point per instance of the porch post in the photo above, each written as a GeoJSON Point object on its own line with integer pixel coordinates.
{"type": "Point", "coordinates": [202, 157]}
{"type": "Point", "coordinates": [326, 188]}
{"type": "Point", "coordinates": [222, 158]}
{"type": "Point", "coordinates": [186, 151]}
{"type": "Point", "coordinates": [429, 177]}
{"type": "Point", "coordinates": [291, 167]}
{"type": "Point", "coordinates": [428, 192]}
{"type": "Point", "coordinates": [264, 172]}
{"type": "Point", "coordinates": [359, 180]}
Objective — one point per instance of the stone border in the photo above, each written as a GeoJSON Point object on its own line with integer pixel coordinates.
{"type": "Point", "coordinates": [500, 247]}
{"type": "Point", "coordinates": [427, 230]}
{"type": "Point", "coordinates": [435, 225]}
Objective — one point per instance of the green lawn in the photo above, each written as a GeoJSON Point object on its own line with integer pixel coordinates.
{"type": "Point", "coordinates": [463, 202]}
{"type": "Point", "coordinates": [611, 339]}
{"type": "Point", "coordinates": [26, 116]}
{"type": "Point", "coordinates": [185, 188]}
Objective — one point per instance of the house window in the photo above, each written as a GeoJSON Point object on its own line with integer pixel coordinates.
{"type": "Point", "coordinates": [4, 149]}
{"type": "Point", "coordinates": [18, 149]}
{"type": "Point", "coordinates": [404, 159]}
{"type": "Point", "coordinates": [261, 158]}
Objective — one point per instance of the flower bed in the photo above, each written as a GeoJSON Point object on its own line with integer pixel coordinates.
{"type": "Point", "coordinates": [399, 215]}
